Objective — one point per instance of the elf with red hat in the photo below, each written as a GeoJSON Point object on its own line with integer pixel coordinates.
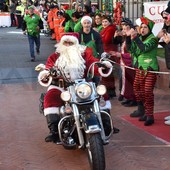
{"type": "Point", "coordinates": [143, 48]}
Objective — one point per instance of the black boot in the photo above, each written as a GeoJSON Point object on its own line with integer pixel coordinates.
{"type": "Point", "coordinates": [143, 118]}
{"type": "Point", "coordinates": [52, 137]}
{"type": "Point", "coordinates": [140, 111]}
{"type": "Point", "coordinates": [131, 104]}
{"type": "Point", "coordinates": [126, 102]}
{"type": "Point", "coordinates": [111, 93]}
{"type": "Point", "coordinates": [120, 98]}
{"type": "Point", "coordinates": [149, 121]}
{"type": "Point", "coordinates": [52, 122]}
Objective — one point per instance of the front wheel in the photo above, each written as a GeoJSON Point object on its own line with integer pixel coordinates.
{"type": "Point", "coordinates": [95, 151]}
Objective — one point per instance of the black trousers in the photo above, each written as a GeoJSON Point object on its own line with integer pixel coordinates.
{"type": "Point", "coordinates": [20, 20]}
{"type": "Point", "coordinates": [13, 20]}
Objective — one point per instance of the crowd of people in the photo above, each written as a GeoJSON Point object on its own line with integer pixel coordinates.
{"type": "Point", "coordinates": [138, 49]}
{"type": "Point", "coordinates": [133, 48]}
{"type": "Point", "coordinates": [164, 40]}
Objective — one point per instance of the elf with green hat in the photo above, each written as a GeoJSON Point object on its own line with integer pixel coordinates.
{"type": "Point", "coordinates": [143, 48]}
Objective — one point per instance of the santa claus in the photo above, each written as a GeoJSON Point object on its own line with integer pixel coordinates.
{"type": "Point", "coordinates": [73, 61]}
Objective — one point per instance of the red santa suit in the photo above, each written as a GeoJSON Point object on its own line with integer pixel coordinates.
{"type": "Point", "coordinates": [73, 61]}
{"type": "Point", "coordinates": [52, 100]}
{"type": "Point", "coordinates": [107, 34]}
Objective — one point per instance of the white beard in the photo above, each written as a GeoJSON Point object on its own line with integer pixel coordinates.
{"type": "Point", "coordinates": [70, 62]}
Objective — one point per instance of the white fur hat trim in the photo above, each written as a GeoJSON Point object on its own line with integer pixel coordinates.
{"type": "Point", "coordinates": [70, 38]}
{"type": "Point", "coordinates": [86, 18]}
{"type": "Point", "coordinates": [138, 22]}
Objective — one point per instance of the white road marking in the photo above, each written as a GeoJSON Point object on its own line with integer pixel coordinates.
{"type": "Point", "coordinates": [18, 32]}
{"type": "Point", "coordinates": [15, 32]}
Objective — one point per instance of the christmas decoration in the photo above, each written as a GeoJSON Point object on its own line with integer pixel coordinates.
{"type": "Point", "coordinates": [118, 13]}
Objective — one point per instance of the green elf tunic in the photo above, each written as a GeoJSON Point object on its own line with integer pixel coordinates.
{"type": "Point", "coordinates": [72, 26]}
{"type": "Point", "coordinates": [78, 26]}
{"type": "Point", "coordinates": [99, 28]}
{"type": "Point", "coordinates": [69, 26]}
{"type": "Point", "coordinates": [90, 44]}
{"type": "Point", "coordinates": [144, 51]}
{"type": "Point", "coordinates": [32, 22]}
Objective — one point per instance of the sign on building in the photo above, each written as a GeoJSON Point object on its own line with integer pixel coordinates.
{"type": "Point", "coordinates": [152, 10]}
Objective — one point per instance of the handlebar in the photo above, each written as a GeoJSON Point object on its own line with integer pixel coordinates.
{"type": "Point", "coordinates": [105, 55]}
{"type": "Point", "coordinates": [46, 76]}
{"type": "Point", "coordinates": [101, 65]}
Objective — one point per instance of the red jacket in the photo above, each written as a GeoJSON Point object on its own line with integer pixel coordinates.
{"type": "Point", "coordinates": [107, 36]}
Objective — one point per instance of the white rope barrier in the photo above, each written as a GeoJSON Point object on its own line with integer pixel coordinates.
{"type": "Point", "coordinates": [156, 72]}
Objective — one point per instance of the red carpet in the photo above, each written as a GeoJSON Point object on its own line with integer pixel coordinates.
{"type": "Point", "coordinates": [158, 129]}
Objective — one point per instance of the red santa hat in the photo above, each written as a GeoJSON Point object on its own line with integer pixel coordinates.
{"type": "Point", "coordinates": [70, 36]}
{"type": "Point", "coordinates": [148, 22]}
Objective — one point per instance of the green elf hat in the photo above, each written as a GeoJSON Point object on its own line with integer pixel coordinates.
{"type": "Point", "coordinates": [148, 22]}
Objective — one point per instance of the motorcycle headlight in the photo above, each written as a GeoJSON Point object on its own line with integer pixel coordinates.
{"type": "Point", "coordinates": [101, 89]}
{"type": "Point", "coordinates": [83, 91]}
{"type": "Point", "coordinates": [65, 96]}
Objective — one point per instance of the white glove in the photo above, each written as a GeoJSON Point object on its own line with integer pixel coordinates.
{"type": "Point", "coordinates": [109, 66]}
{"type": "Point", "coordinates": [40, 67]}
{"type": "Point", "coordinates": [44, 79]}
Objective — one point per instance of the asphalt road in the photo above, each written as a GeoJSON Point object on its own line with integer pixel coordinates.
{"type": "Point", "coordinates": [15, 65]}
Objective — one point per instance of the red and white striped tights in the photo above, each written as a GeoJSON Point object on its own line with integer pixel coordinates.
{"type": "Point", "coordinates": [143, 88]}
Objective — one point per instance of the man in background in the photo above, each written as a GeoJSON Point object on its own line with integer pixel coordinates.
{"type": "Point", "coordinates": [32, 24]}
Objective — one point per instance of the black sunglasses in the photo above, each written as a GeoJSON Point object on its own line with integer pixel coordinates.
{"type": "Point", "coordinates": [165, 18]}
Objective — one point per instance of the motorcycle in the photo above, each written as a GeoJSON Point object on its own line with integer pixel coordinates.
{"type": "Point", "coordinates": [84, 123]}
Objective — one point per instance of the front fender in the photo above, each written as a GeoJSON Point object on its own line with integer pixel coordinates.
{"type": "Point", "coordinates": [90, 123]}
